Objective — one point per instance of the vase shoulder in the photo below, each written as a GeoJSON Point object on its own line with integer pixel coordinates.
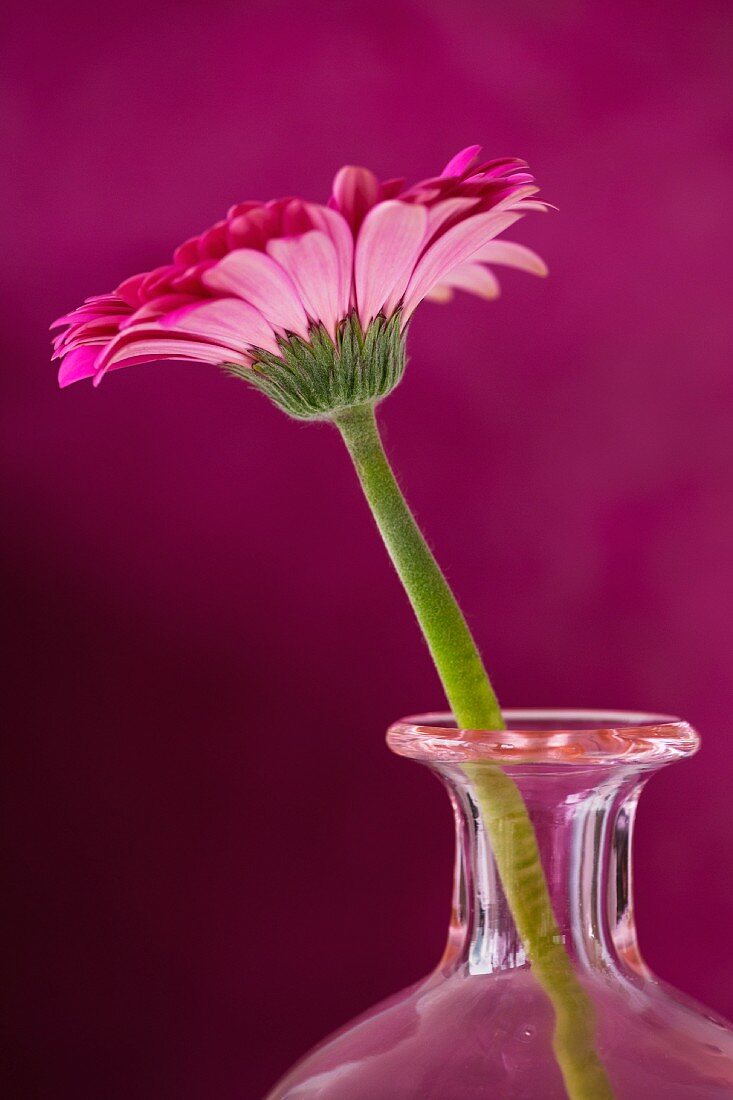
{"type": "Point", "coordinates": [474, 1037]}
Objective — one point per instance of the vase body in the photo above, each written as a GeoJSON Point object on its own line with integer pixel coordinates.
{"type": "Point", "coordinates": [481, 1026]}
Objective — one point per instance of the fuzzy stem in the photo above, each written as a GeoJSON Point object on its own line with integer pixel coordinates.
{"type": "Point", "coordinates": [475, 706]}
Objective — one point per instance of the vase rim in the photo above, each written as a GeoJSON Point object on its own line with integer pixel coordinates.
{"type": "Point", "coordinates": [548, 736]}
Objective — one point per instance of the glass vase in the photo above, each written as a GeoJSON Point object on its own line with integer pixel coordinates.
{"type": "Point", "coordinates": [480, 1027]}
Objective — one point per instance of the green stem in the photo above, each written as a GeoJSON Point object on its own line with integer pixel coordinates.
{"type": "Point", "coordinates": [475, 706]}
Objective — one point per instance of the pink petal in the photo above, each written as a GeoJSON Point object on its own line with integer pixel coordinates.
{"type": "Point", "coordinates": [355, 191]}
{"type": "Point", "coordinates": [151, 344]}
{"type": "Point", "coordinates": [512, 255]}
{"type": "Point", "coordinates": [257, 279]}
{"type": "Point", "coordinates": [387, 249]}
{"type": "Point", "coordinates": [515, 198]}
{"type": "Point", "coordinates": [538, 205]}
{"type": "Point", "coordinates": [313, 265]}
{"type": "Point", "coordinates": [337, 228]}
{"type": "Point", "coordinates": [229, 322]}
{"type": "Point", "coordinates": [472, 277]}
{"type": "Point", "coordinates": [452, 249]}
{"type": "Point", "coordinates": [461, 161]}
{"type": "Point", "coordinates": [441, 212]}
{"type": "Point", "coordinates": [440, 294]}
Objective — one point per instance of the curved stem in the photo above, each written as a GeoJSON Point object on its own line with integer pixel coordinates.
{"type": "Point", "coordinates": [475, 706]}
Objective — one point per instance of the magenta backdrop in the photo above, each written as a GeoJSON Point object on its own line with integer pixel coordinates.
{"type": "Point", "coordinates": [215, 859]}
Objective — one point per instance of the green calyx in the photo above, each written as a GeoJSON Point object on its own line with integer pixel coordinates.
{"type": "Point", "coordinates": [314, 379]}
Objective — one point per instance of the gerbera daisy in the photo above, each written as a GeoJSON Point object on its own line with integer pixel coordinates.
{"type": "Point", "coordinates": [311, 302]}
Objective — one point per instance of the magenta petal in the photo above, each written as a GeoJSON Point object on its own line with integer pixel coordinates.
{"type": "Point", "coordinates": [387, 249]}
{"type": "Point", "coordinates": [93, 332]}
{"type": "Point", "coordinates": [187, 253]}
{"type": "Point", "coordinates": [295, 218]}
{"type": "Point", "coordinates": [188, 281]}
{"type": "Point", "coordinates": [497, 168]}
{"type": "Point", "coordinates": [257, 279]}
{"type": "Point", "coordinates": [391, 189]}
{"type": "Point", "coordinates": [213, 244]}
{"type": "Point", "coordinates": [91, 313]}
{"type": "Point", "coordinates": [130, 289]}
{"type": "Point", "coordinates": [422, 193]}
{"type": "Point", "coordinates": [78, 364]}
{"type": "Point", "coordinates": [355, 191]}
{"type": "Point", "coordinates": [242, 208]}
{"type": "Point", "coordinates": [158, 306]}
{"type": "Point", "coordinates": [461, 161]}
{"type": "Point", "coordinates": [242, 233]}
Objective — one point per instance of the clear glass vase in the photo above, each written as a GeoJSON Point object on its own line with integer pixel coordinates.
{"type": "Point", "coordinates": [480, 1026]}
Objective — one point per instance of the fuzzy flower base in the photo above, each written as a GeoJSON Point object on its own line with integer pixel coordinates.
{"type": "Point", "coordinates": [310, 380]}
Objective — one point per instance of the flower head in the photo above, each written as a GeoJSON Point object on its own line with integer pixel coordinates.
{"type": "Point", "coordinates": [310, 302]}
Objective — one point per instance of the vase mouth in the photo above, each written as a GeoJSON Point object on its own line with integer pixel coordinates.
{"type": "Point", "coordinates": [548, 736]}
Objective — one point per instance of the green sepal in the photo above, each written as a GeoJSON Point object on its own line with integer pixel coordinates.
{"type": "Point", "coordinates": [313, 379]}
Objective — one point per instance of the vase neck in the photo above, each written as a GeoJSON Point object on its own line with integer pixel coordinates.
{"type": "Point", "coordinates": [583, 820]}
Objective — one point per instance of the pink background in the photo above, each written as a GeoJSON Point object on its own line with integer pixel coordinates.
{"type": "Point", "coordinates": [216, 860]}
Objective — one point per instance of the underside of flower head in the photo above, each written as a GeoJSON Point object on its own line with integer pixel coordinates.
{"type": "Point", "coordinates": [308, 302]}
{"type": "Point", "coordinates": [314, 378]}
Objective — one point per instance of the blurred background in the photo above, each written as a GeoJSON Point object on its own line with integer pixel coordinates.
{"type": "Point", "coordinates": [214, 858]}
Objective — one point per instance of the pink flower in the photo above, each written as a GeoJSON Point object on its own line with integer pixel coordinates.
{"type": "Point", "coordinates": [271, 274]}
